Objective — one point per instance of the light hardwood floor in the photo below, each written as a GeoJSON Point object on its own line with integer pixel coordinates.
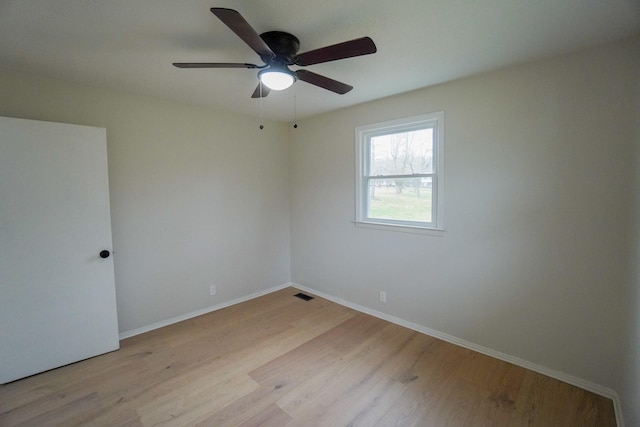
{"type": "Point", "coordinates": [280, 361]}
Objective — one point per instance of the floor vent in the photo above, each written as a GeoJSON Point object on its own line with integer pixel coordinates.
{"type": "Point", "coordinates": [303, 296]}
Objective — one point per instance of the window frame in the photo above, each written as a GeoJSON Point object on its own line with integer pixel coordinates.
{"type": "Point", "coordinates": [363, 135]}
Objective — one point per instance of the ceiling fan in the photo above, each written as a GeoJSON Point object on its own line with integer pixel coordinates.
{"type": "Point", "coordinates": [278, 50]}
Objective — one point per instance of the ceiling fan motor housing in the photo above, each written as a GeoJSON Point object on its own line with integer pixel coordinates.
{"type": "Point", "coordinates": [284, 45]}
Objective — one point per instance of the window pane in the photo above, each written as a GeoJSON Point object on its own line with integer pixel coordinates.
{"type": "Point", "coordinates": [406, 199]}
{"type": "Point", "coordinates": [402, 153]}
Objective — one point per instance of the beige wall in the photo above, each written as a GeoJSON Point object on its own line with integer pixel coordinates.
{"type": "Point", "coordinates": [629, 388]}
{"type": "Point", "coordinates": [538, 190]}
{"type": "Point", "coordinates": [198, 197]}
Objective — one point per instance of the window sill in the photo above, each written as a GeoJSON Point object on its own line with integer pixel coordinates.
{"type": "Point", "coordinates": [400, 228]}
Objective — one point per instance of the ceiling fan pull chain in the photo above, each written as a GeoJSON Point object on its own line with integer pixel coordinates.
{"type": "Point", "coordinates": [295, 108]}
{"type": "Point", "coordinates": [261, 121]}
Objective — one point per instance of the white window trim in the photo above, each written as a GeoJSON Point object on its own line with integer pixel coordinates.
{"type": "Point", "coordinates": [362, 135]}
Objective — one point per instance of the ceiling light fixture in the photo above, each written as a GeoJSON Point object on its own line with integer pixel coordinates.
{"type": "Point", "coordinates": [277, 77]}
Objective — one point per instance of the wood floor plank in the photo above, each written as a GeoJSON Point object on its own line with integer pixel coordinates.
{"type": "Point", "coordinates": [544, 401]}
{"type": "Point", "coordinates": [272, 416]}
{"type": "Point", "coordinates": [196, 400]}
{"type": "Point", "coordinates": [281, 361]}
{"type": "Point", "coordinates": [425, 398]}
{"type": "Point", "coordinates": [250, 406]}
{"type": "Point", "coordinates": [337, 377]}
{"type": "Point", "coordinates": [340, 391]}
{"type": "Point", "coordinates": [378, 403]}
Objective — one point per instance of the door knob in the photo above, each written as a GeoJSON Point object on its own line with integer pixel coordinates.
{"type": "Point", "coordinates": [104, 254]}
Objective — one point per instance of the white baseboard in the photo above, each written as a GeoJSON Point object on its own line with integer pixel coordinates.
{"type": "Point", "coordinates": [200, 312]}
{"type": "Point", "coordinates": [561, 376]}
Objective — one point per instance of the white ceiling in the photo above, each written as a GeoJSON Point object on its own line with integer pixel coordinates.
{"type": "Point", "coordinates": [129, 45]}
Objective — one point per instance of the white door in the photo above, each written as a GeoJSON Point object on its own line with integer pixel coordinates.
{"type": "Point", "coordinates": [57, 294]}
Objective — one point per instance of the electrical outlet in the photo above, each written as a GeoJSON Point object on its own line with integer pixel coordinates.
{"type": "Point", "coordinates": [383, 296]}
{"type": "Point", "coordinates": [212, 290]}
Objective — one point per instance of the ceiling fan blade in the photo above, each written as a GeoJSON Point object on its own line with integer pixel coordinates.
{"type": "Point", "coordinates": [265, 91]}
{"type": "Point", "coordinates": [348, 49]}
{"type": "Point", "coordinates": [241, 27]}
{"type": "Point", "coordinates": [323, 82]}
{"type": "Point", "coordinates": [213, 65]}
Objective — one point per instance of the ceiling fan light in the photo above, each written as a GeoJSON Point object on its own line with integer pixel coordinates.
{"type": "Point", "coordinates": [276, 79]}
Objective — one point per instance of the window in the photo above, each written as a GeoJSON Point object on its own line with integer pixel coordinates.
{"type": "Point", "coordinates": [399, 176]}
